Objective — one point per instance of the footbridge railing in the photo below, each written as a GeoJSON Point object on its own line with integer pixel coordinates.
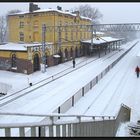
{"type": "Point", "coordinates": [63, 125]}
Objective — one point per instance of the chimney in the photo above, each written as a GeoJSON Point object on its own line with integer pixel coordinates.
{"type": "Point", "coordinates": [59, 8]}
{"type": "Point", "coordinates": [33, 7]}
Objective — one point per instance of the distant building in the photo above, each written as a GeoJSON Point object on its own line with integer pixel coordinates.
{"type": "Point", "coordinates": [26, 28]}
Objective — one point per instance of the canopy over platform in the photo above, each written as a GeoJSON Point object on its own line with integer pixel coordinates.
{"type": "Point", "coordinates": [100, 44]}
{"type": "Point", "coordinates": [102, 40]}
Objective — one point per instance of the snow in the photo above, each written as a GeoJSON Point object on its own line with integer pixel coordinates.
{"type": "Point", "coordinates": [51, 10]}
{"type": "Point", "coordinates": [123, 130]}
{"type": "Point", "coordinates": [17, 46]}
{"type": "Point", "coordinates": [56, 56]}
{"type": "Point", "coordinates": [117, 87]}
{"type": "Point", "coordinates": [99, 33]}
{"type": "Point", "coordinates": [138, 54]}
{"type": "Point", "coordinates": [102, 40]}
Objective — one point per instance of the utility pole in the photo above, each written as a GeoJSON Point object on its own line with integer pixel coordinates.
{"type": "Point", "coordinates": [43, 48]}
{"type": "Point", "coordinates": [91, 39]}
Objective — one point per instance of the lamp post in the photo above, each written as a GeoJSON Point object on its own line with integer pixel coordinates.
{"type": "Point", "coordinates": [43, 48]}
{"type": "Point", "coordinates": [91, 39]}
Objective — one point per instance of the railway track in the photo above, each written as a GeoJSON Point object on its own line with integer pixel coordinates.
{"type": "Point", "coordinates": [46, 81]}
{"type": "Point", "coordinates": [118, 87]}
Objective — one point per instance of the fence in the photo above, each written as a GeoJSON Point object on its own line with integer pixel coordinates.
{"type": "Point", "coordinates": [97, 126]}
{"type": "Point", "coordinates": [81, 92]}
{"type": "Point", "coordinates": [68, 125]}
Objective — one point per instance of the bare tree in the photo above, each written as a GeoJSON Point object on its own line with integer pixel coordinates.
{"type": "Point", "coordinates": [13, 11]}
{"type": "Point", "coordinates": [88, 11]}
{"type": "Point", "coordinates": [4, 25]}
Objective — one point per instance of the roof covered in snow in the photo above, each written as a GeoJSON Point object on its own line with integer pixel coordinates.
{"type": "Point", "coordinates": [102, 40]}
{"type": "Point", "coordinates": [17, 46]}
{"type": "Point", "coordinates": [51, 10]}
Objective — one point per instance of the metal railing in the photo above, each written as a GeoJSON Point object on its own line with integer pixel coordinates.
{"type": "Point", "coordinates": [56, 125]}
{"type": "Point", "coordinates": [67, 125]}
{"type": "Point", "coordinates": [70, 101]}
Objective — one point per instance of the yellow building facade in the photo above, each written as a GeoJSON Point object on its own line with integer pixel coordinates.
{"type": "Point", "coordinates": [26, 27]}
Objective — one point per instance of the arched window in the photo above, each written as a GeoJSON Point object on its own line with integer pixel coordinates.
{"type": "Point", "coordinates": [76, 52]}
{"type": "Point", "coordinates": [13, 61]}
{"type": "Point", "coordinates": [66, 53]}
{"type": "Point", "coordinates": [71, 52]}
{"type": "Point", "coordinates": [36, 24]}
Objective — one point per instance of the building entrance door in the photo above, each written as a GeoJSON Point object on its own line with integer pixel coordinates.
{"type": "Point", "coordinates": [36, 62]}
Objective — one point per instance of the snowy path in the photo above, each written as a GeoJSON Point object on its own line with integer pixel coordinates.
{"type": "Point", "coordinates": [50, 96]}
{"type": "Point", "coordinates": [84, 61]}
{"type": "Point", "coordinates": [119, 86]}
{"type": "Point", "coordinates": [13, 96]}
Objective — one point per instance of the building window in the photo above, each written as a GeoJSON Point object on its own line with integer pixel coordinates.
{"type": "Point", "coordinates": [13, 61]}
{"type": "Point", "coordinates": [21, 36]}
{"type": "Point", "coordinates": [36, 24]}
{"type": "Point", "coordinates": [35, 14]}
{"type": "Point", "coordinates": [21, 16]}
{"type": "Point", "coordinates": [21, 24]}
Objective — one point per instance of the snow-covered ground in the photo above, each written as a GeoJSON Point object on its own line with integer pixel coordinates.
{"type": "Point", "coordinates": [120, 85]}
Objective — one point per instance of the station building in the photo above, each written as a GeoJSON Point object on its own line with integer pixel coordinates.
{"type": "Point", "coordinates": [23, 53]}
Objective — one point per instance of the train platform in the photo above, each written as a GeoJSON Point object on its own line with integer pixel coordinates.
{"type": "Point", "coordinates": [103, 99]}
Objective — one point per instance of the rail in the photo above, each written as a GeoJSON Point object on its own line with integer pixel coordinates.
{"type": "Point", "coordinates": [70, 101]}
{"type": "Point", "coordinates": [52, 78]}
{"type": "Point", "coordinates": [96, 126]}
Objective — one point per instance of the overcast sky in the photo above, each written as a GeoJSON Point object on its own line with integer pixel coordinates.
{"type": "Point", "coordinates": [112, 12]}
